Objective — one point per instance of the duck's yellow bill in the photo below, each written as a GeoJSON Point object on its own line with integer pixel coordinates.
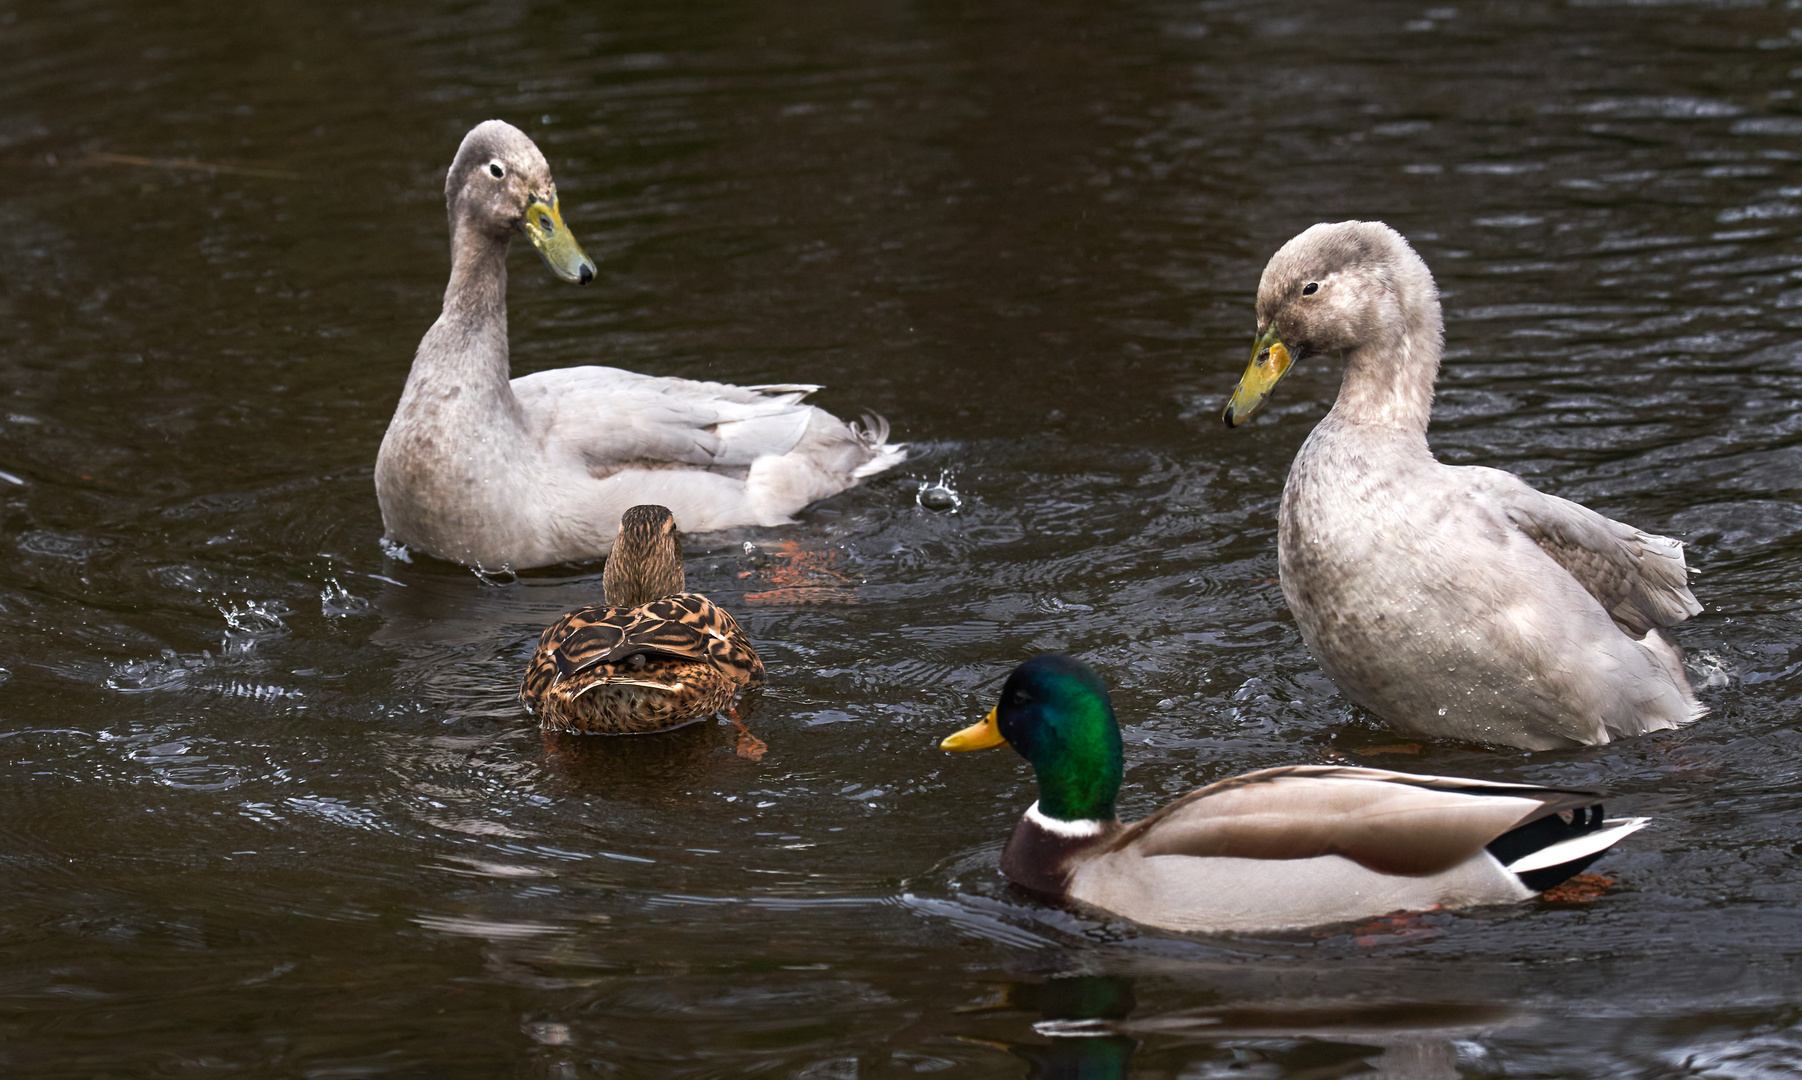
{"type": "Point", "coordinates": [982, 735]}
{"type": "Point", "coordinates": [556, 244]}
{"type": "Point", "coordinates": [1269, 363]}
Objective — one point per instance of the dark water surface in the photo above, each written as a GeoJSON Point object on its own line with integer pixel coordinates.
{"type": "Point", "coordinates": [267, 806]}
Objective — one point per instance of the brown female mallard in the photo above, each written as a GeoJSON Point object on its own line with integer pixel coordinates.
{"type": "Point", "coordinates": [654, 658]}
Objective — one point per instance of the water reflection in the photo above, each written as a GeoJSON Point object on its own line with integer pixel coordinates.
{"type": "Point", "coordinates": [1097, 1054]}
{"type": "Point", "coordinates": [667, 767]}
{"type": "Point", "coordinates": [1094, 1027]}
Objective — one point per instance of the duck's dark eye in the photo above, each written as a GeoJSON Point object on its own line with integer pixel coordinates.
{"type": "Point", "coordinates": [495, 170]}
{"type": "Point", "coordinates": [1020, 698]}
{"type": "Point", "coordinates": [1310, 288]}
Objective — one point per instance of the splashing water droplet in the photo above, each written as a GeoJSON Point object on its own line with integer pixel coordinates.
{"type": "Point", "coordinates": [250, 622]}
{"type": "Point", "coordinates": [939, 494]}
{"type": "Point", "coordinates": [335, 601]}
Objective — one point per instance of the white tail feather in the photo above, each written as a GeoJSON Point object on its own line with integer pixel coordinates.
{"type": "Point", "coordinates": [1578, 847]}
{"type": "Point", "coordinates": [786, 388]}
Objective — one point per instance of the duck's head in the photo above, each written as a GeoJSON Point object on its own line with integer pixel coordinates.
{"type": "Point", "coordinates": [1333, 289]}
{"type": "Point", "coordinates": [1054, 710]}
{"type": "Point", "coordinates": [646, 561]}
{"type": "Point", "coordinates": [500, 184]}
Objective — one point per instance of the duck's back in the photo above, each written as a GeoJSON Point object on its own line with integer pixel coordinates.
{"type": "Point", "coordinates": [719, 456]}
{"type": "Point", "coordinates": [620, 670]}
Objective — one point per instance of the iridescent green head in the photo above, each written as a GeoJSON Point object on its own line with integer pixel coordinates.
{"type": "Point", "coordinates": [1055, 712]}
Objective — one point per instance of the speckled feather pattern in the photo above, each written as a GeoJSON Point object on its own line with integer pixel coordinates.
{"type": "Point", "coordinates": [631, 670]}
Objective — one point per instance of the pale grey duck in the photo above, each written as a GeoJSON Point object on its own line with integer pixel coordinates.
{"type": "Point", "coordinates": [1455, 602]}
{"type": "Point", "coordinates": [505, 474]}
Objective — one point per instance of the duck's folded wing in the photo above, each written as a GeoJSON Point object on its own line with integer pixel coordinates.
{"type": "Point", "coordinates": [1393, 823]}
{"type": "Point", "coordinates": [682, 627]}
{"type": "Point", "coordinates": [581, 639]}
{"type": "Point", "coordinates": [1639, 578]}
{"type": "Point", "coordinates": [615, 418]}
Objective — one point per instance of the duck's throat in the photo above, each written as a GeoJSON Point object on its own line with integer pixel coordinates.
{"type": "Point", "coordinates": [1390, 385]}
{"type": "Point", "coordinates": [464, 356]}
{"type": "Point", "coordinates": [477, 293]}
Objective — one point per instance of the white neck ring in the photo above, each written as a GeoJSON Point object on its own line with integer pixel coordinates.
{"type": "Point", "coordinates": [1058, 827]}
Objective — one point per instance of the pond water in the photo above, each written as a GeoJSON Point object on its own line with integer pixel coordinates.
{"type": "Point", "coordinates": [268, 806]}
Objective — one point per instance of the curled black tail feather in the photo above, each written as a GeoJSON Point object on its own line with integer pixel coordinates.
{"type": "Point", "coordinates": [1542, 833]}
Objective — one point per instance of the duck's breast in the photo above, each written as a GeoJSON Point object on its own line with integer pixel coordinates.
{"type": "Point", "coordinates": [1426, 605]}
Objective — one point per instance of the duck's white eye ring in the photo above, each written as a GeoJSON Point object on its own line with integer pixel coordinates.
{"type": "Point", "coordinates": [496, 169]}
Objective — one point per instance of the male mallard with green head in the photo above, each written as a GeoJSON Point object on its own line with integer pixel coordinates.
{"type": "Point", "coordinates": [655, 657]}
{"type": "Point", "coordinates": [1275, 849]}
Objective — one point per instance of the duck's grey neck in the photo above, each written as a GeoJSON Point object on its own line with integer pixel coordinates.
{"type": "Point", "coordinates": [475, 300]}
{"type": "Point", "coordinates": [1389, 382]}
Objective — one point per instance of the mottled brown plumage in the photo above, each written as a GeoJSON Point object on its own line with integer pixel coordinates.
{"type": "Point", "coordinates": [654, 658]}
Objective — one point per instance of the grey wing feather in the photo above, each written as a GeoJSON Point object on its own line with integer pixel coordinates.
{"type": "Point", "coordinates": [614, 417]}
{"type": "Point", "coordinates": [802, 389]}
{"type": "Point", "coordinates": [1396, 823]}
{"type": "Point", "coordinates": [1639, 578]}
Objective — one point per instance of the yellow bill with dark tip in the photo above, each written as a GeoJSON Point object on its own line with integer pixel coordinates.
{"type": "Point", "coordinates": [1269, 363]}
{"type": "Point", "coordinates": [982, 735]}
{"type": "Point", "coordinates": [556, 244]}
